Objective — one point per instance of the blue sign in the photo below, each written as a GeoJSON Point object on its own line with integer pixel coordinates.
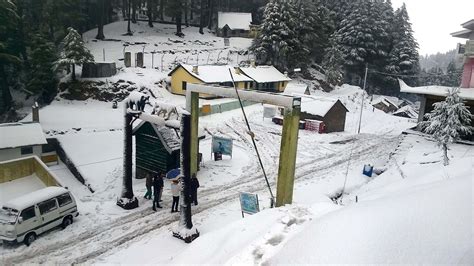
{"type": "Point", "coordinates": [222, 145]}
{"type": "Point", "coordinates": [249, 203]}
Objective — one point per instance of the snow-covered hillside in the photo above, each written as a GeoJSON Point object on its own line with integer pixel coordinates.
{"type": "Point", "coordinates": [414, 211]}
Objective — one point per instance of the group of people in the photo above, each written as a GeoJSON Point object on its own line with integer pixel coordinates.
{"type": "Point", "coordinates": [156, 183]}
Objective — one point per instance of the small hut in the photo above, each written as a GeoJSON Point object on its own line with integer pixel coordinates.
{"type": "Point", "coordinates": [328, 110]}
{"type": "Point", "coordinates": [157, 149]}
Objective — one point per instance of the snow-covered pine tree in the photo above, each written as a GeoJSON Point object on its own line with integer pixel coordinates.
{"type": "Point", "coordinates": [43, 79]}
{"type": "Point", "coordinates": [332, 63]}
{"type": "Point", "coordinates": [313, 28]}
{"type": "Point", "coordinates": [449, 120]}
{"type": "Point", "coordinates": [404, 58]}
{"type": "Point", "coordinates": [277, 40]}
{"type": "Point", "coordinates": [74, 51]}
{"type": "Point", "coordinates": [356, 40]}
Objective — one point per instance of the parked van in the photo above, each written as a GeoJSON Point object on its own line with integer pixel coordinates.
{"type": "Point", "coordinates": [24, 218]}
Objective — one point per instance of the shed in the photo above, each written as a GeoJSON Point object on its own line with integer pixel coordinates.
{"type": "Point", "coordinates": [296, 88]}
{"type": "Point", "coordinates": [407, 112]}
{"type": "Point", "coordinates": [386, 104]}
{"type": "Point", "coordinates": [20, 140]}
{"type": "Point", "coordinates": [433, 94]}
{"type": "Point", "coordinates": [233, 24]}
{"type": "Point", "coordinates": [157, 148]}
{"type": "Point", "coordinates": [331, 111]}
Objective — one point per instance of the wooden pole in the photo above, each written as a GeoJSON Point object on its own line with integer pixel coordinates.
{"type": "Point", "coordinates": [194, 132]}
{"type": "Point", "coordinates": [286, 168]}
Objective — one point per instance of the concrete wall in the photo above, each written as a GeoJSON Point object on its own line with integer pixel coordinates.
{"type": "Point", "coordinates": [10, 154]}
{"type": "Point", "coordinates": [15, 169]}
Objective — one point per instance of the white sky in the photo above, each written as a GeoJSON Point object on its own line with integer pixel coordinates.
{"type": "Point", "coordinates": [434, 20]}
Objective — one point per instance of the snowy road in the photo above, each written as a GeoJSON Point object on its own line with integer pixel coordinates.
{"type": "Point", "coordinates": [85, 246]}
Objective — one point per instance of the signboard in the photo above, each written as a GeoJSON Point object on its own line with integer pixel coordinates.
{"type": "Point", "coordinates": [249, 203]}
{"type": "Point", "coordinates": [269, 111]}
{"type": "Point", "coordinates": [222, 145]}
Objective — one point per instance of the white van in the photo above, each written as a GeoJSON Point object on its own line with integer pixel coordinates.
{"type": "Point", "coordinates": [24, 218]}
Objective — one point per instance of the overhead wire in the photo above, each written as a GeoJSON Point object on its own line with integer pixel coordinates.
{"type": "Point", "coordinates": [252, 136]}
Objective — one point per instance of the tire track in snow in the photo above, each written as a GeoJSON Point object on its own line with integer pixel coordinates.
{"type": "Point", "coordinates": [91, 244]}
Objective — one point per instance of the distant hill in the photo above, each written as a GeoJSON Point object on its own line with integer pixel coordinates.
{"type": "Point", "coordinates": [437, 60]}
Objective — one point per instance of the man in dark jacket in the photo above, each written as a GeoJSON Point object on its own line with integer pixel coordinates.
{"type": "Point", "coordinates": [157, 188]}
{"type": "Point", "coordinates": [194, 188]}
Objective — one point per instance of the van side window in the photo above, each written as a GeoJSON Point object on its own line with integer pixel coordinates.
{"type": "Point", "coordinates": [47, 206]}
{"type": "Point", "coordinates": [64, 199]}
{"type": "Point", "coordinates": [28, 213]}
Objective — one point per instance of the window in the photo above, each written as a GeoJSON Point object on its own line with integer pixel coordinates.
{"type": "Point", "coordinates": [64, 199]}
{"type": "Point", "coordinates": [26, 150]}
{"type": "Point", "coordinates": [184, 85]}
{"type": "Point", "coordinates": [28, 213]}
{"type": "Point", "coordinates": [47, 206]}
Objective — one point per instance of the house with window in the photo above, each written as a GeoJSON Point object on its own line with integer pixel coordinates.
{"type": "Point", "coordinates": [265, 78]}
{"type": "Point", "coordinates": [211, 75]}
{"type": "Point", "coordinates": [234, 24]}
{"type": "Point", "coordinates": [21, 140]}
{"type": "Point", "coordinates": [465, 52]}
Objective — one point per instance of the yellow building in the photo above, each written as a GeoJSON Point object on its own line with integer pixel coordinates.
{"type": "Point", "coordinates": [266, 78]}
{"type": "Point", "coordinates": [212, 75]}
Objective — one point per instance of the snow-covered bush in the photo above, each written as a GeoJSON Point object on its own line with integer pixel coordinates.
{"type": "Point", "coordinates": [449, 120]}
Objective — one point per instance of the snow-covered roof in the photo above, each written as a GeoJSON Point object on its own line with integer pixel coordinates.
{"type": "Point", "coordinates": [407, 110]}
{"type": "Point", "coordinates": [319, 106]}
{"type": "Point", "coordinates": [167, 136]}
{"type": "Point", "coordinates": [296, 88]}
{"type": "Point", "coordinates": [466, 94]}
{"type": "Point", "coordinates": [466, 32]}
{"type": "Point", "coordinates": [28, 200]}
{"type": "Point", "coordinates": [263, 74]}
{"type": "Point", "coordinates": [235, 20]}
{"type": "Point", "coordinates": [21, 134]}
{"type": "Point", "coordinates": [387, 100]}
{"type": "Point", "coordinates": [214, 73]}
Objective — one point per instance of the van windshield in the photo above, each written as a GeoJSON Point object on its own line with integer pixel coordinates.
{"type": "Point", "coordinates": [8, 215]}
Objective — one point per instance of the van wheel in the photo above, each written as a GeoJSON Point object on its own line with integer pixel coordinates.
{"type": "Point", "coordinates": [29, 238]}
{"type": "Point", "coordinates": [66, 222]}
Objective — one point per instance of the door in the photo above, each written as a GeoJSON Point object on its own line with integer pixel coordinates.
{"type": "Point", "coordinates": [31, 220]}
{"type": "Point", "coordinates": [49, 214]}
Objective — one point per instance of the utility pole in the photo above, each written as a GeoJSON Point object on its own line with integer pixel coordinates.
{"type": "Point", "coordinates": [362, 99]}
{"type": "Point", "coordinates": [129, 32]}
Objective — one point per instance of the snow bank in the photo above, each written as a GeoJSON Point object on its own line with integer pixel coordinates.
{"type": "Point", "coordinates": [432, 225]}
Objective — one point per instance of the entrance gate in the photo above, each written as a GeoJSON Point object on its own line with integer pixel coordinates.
{"type": "Point", "coordinates": [289, 138]}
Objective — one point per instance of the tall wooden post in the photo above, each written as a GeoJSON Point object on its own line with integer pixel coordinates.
{"type": "Point", "coordinates": [286, 168]}
{"type": "Point", "coordinates": [194, 132]}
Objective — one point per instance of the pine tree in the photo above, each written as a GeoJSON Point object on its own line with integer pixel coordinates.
{"type": "Point", "coordinates": [404, 57]}
{"type": "Point", "coordinates": [74, 51]}
{"type": "Point", "coordinates": [356, 39]}
{"type": "Point", "coordinates": [453, 75]}
{"type": "Point", "coordinates": [43, 80]}
{"type": "Point", "coordinates": [449, 120]}
{"type": "Point", "coordinates": [278, 43]}
{"type": "Point", "coordinates": [332, 63]}
{"type": "Point", "coordinates": [9, 59]}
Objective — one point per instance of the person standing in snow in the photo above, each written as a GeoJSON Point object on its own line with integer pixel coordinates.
{"type": "Point", "coordinates": [162, 176]}
{"type": "Point", "coordinates": [157, 188]}
{"type": "Point", "coordinates": [194, 188]}
{"type": "Point", "coordinates": [175, 190]}
{"type": "Point", "coordinates": [148, 184]}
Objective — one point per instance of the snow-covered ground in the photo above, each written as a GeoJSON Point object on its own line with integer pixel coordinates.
{"type": "Point", "coordinates": [416, 211]}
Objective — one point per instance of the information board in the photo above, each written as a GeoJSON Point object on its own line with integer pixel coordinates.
{"type": "Point", "coordinates": [249, 203]}
{"type": "Point", "coordinates": [222, 145]}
